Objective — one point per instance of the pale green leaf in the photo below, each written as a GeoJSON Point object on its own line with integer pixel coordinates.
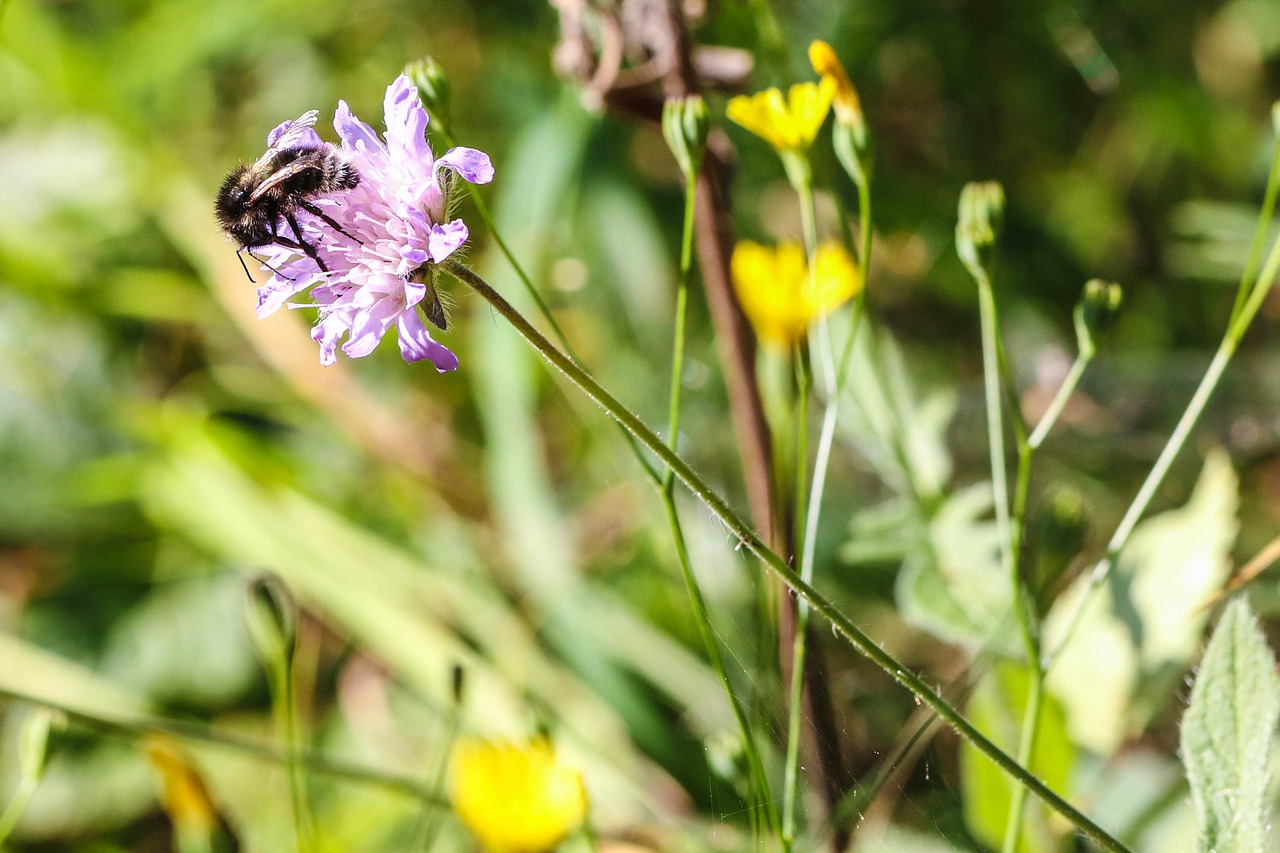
{"type": "Point", "coordinates": [1137, 636]}
{"type": "Point", "coordinates": [953, 585]}
{"type": "Point", "coordinates": [1227, 733]}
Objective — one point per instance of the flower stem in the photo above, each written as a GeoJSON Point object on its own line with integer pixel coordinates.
{"type": "Point", "coordinates": [285, 706]}
{"type": "Point", "coordinates": [1060, 399]}
{"type": "Point", "coordinates": [1248, 309]}
{"type": "Point", "coordinates": [759, 777]}
{"type": "Point", "coordinates": [775, 564]}
{"type": "Point", "coordinates": [189, 732]}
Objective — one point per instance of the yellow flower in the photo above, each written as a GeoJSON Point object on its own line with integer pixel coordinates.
{"type": "Point", "coordinates": [775, 291]}
{"type": "Point", "coordinates": [845, 100]}
{"type": "Point", "coordinates": [515, 798]}
{"type": "Point", "coordinates": [182, 791]}
{"type": "Point", "coordinates": [788, 125]}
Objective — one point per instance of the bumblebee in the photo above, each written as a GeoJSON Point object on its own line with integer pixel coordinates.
{"type": "Point", "coordinates": [255, 197]}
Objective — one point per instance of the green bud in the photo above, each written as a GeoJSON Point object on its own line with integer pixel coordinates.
{"type": "Point", "coordinates": [853, 149]}
{"type": "Point", "coordinates": [685, 126]}
{"type": "Point", "coordinates": [981, 215]}
{"type": "Point", "coordinates": [1096, 313]}
{"type": "Point", "coordinates": [435, 88]}
{"type": "Point", "coordinates": [33, 742]}
{"type": "Point", "coordinates": [271, 615]}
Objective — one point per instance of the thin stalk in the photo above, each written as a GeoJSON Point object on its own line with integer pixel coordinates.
{"type": "Point", "coordinates": [544, 311]}
{"type": "Point", "coordinates": [806, 517]}
{"type": "Point", "coordinates": [997, 383]}
{"type": "Point", "coordinates": [775, 564]}
{"type": "Point", "coordinates": [18, 803]}
{"type": "Point", "coordinates": [1259, 234]}
{"type": "Point", "coordinates": [1060, 399]}
{"type": "Point", "coordinates": [759, 777]}
{"type": "Point", "coordinates": [285, 709]}
{"type": "Point", "coordinates": [992, 388]}
{"type": "Point", "coordinates": [1208, 384]}
{"type": "Point", "coordinates": [204, 735]}
{"type": "Point", "coordinates": [755, 764]}
{"type": "Point", "coordinates": [1026, 750]}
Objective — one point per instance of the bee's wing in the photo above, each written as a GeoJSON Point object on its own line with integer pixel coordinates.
{"type": "Point", "coordinates": [280, 175]}
{"type": "Point", "coordinates": [290, 133]}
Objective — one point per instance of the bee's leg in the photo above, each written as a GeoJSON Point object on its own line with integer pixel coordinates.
{"type": "Point", "coordinates": [243, 265]}
{"type": "Point", "coordinates": [301, 243]}
{"type": "Point", "coordinates": [288, 244]}
{"type": "Point", "coordinates": [328, 220]}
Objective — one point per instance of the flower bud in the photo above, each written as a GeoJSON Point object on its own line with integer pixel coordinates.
{"type": "Point", "coordinates": [1096, 312]}
{"type": "Point", "coordinates": [685, 126]}
{"type": "Point", "coordinates": [852, 144]}
{"type": "Point", "coordinates": [981, 215]}
{"type": "Point", "coordinates": [434, 86]}
{"type": "Point", "coordinates": [33, 742]}
{"type": "Point", "coordinates": [272, 618]}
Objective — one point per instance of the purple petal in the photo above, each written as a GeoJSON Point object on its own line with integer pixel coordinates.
{"type": "Point", "coordinates": [446, 239]}
{"type": "Point", "coordinates": [356, 135]}
{"type": "Point", "coordinates": [474, 166]}
{"type": "Point", "coordinates": [416, 344]}
{"type": "Point", "coordinates": [369, 326]}
{"type": "Point", "coordinates": [407, 123]}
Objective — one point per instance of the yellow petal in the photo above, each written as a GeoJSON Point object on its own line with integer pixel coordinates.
{"type": "Point", "coordinates": [787, 125]}
{"type": "Point", "coordinates": [825, 62]}
{"type": "Point", "coordinates": [515, 798]}
{"type": "Point", "coordinates": [762, 114]}
{"type": "Point", "coordinates": [775, 291]}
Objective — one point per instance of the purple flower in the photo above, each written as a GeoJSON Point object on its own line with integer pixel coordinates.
{"type": "Point", "coordinates": [392, 227]}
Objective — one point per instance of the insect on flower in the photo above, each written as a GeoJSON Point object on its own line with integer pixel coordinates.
{"type": "Point", "coordinates": [362, 227]}
{"type": "Point", "coordinates": [297, 168]}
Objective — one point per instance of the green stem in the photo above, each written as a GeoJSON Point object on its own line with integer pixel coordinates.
{"type": "Point", "coordinates": [285, 707]}
{"type": "Point", "coordinates": [755, 765]}
{"type": "Point", "coordinates": [1259, 234]}
{"type": "Point", "coordinates": [1026, 750]}
{"type": "Point", "coordinates": [806, 503]}
{"type": "Point", "coordinates": [1060, 399]}
{"type": "Point", "coordinates": [775, 564]}
{"type": "Point", "coordinates": [1208, 384]}
{"type": "Point", "coordinates": [760, 779]}
{"type": "Point", "coordinates": [544, 311]}
{"type": "Point", "coordinates": [202, 734]}
{"type": "Point", "coordinates": [17, 805]}
{"type": "Point", "coordinates": [994, 393]}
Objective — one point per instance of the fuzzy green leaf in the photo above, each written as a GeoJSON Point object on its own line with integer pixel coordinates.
{"type": "Point", "coordinates": [1227, 732]}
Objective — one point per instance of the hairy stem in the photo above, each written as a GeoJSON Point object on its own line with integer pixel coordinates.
{"type": "Point", "coordinates": [777, 566]}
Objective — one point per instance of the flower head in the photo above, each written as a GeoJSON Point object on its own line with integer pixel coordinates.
{"type": "Point", "coordinates": [790, 124]}
{"type": "Point", "coordinates": [777, 295]}
{"type": "Point", "coordinates": [378, 239]}
{"type": "Point", "coordinates": [845, 99]}
{"type": "Point", "coordinates": [515, 798]}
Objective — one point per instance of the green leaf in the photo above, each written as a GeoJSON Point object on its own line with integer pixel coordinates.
{"type": "Point", "coordinates": [1227, 733]}
{"type": "Point", "coordinates": [952, 585]}
{"type": "Point", "coordinates": [1136, 638]}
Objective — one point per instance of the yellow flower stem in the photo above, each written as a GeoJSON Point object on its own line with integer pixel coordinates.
{"type": "Point", "coordinates": [801, 174]}
{"type": "Point", "coordinates": [759, 778]}
{"type": "Point", "coordinates": [841, 624]}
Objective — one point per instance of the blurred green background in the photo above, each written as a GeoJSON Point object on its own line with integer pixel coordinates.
{"type": "Point", "coordinates": [158, 444]}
